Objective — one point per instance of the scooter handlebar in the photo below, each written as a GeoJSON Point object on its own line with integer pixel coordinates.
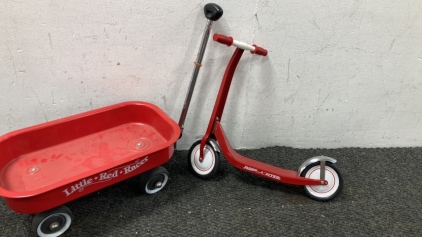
{"type": "Point", "coordinates": [229, 41]}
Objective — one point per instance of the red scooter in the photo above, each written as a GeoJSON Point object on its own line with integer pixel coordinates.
{"type": "Point", "coordinates": [321, 179]}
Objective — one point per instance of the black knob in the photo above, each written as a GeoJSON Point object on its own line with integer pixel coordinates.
{"type": "Point", "coordinates": [212, 11]}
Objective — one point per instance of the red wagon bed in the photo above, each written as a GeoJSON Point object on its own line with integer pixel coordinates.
{"type": "Point", "coordinates": [47, 165]}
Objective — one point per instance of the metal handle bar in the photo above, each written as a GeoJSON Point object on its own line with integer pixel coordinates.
{"type": "Point", "coordinates": [229, 41]}
{"type": "Point", "coordinates": [212, 12]}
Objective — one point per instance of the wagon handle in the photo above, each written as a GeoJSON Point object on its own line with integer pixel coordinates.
{"type": "Point", "coordinates": [212, 12]}
{"type": "Point", "coordinates": [229, 41]}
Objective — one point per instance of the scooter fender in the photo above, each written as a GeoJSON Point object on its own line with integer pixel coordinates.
{"type": "Point", "coordinates": [313, 160]}
{"type": "Point", "coordinates": [215, 145]}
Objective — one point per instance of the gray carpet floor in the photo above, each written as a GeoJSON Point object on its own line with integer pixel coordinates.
{"type": "Point", "coordinates": [381, 197]}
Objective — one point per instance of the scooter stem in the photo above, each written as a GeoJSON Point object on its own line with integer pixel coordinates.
{"type": "Point", "coordinates": [221, 99]}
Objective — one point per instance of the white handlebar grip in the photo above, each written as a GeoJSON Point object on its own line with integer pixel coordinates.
{"type": "Point", "coordinates": [229, 41]}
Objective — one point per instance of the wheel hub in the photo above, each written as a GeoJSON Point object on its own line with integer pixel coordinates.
{"type": "Point", "coordinates": [54, 226]}
{"type": "Point", "coordinates": [159, 184]}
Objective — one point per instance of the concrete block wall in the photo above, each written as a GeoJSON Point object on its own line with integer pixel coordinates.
{"type": "Point", "coordinates": [338, 74]}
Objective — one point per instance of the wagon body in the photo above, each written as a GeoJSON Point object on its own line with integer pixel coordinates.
{"type": "Point", "coordinates": [47, 165]}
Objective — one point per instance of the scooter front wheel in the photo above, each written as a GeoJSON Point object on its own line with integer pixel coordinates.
{"type": "Point", "coordinates": [207, 168]}
{"type": "Point", "coordinates": [323, 192]}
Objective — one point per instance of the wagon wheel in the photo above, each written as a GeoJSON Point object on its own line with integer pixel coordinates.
{"type": "Point", "coordinates": [323, 192]}
{"type": "Point", "coordinates": [154, 180]}
{"type": "Point", "coordinates": [52, 223]}
{"type": "Point", "coordinates": [206, 168]}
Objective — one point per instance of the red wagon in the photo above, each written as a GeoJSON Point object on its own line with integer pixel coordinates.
{"type": "Point", "coordinates": [45, 166]}
{"type": "Point", "coordinates": [48, 165]}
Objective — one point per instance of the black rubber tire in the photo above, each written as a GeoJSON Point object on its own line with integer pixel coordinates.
{"type": "Point", "coordinates": [320, 193]}
{"type": "Point", "coordinates": [154, 180]}
{"type": "Point", "coordinates": [203, 170]}
{"type": "Point", "coordinates": [53, 222]}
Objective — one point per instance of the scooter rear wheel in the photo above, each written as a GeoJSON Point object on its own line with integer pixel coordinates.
{"type": "Point", "coordinates": [208, 167]}
{"type": "Point", "coordinates": [323, 192]}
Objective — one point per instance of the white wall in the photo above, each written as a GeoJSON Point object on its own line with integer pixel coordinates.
{"type": "Point", "coordinates": [338, 74]}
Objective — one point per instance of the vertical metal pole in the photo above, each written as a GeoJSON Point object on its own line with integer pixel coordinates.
{"type": "Point", "coordinates": [195, 75]}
